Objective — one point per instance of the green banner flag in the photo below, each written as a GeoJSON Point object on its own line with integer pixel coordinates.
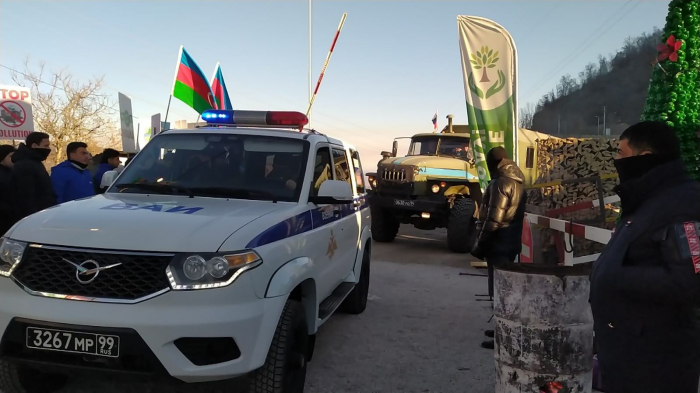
{"type": "Point", "coordinates": [489, 64]}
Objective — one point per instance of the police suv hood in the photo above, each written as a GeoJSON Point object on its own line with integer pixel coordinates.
{"type": "Point", "coordinates": [139, 222]}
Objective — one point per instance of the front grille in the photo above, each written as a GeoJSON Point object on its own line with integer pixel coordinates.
{"type": "Point", "coordinates": [44, 269]}
{"type": "Point", "coordinates": [394, 175]}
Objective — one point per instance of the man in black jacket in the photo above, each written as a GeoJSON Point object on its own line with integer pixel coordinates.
{"type": "Point", "coordinates": [645, 284]}
{"type": "Point", "coordinates": [501, 217]}
{"type": "Point", "coordinates": [8, 206]}
{"type": "Point", "coordinates": [30, 179]}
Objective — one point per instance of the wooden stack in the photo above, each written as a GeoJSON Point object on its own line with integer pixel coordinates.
{"type": "Point", "coordinates": [573, 158]}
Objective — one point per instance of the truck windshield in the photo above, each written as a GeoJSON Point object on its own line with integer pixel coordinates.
{"type": "Point", "coordinates": [219, 166]}
{"type": "Point", "coordinates": [445, 146]}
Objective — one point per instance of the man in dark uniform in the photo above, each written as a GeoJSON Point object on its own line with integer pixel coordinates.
{"type": "Point", "coordinates": [645, 284]}
{"type": "Point", "coordinates": [32, 184]}
{"type": "Point", "coordinates": [500, 225]}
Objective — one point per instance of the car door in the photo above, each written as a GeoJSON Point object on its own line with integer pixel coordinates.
{"type": "Point", "coordinates": [361, 205]}
{"type": "Point", "coordinates": [322, 240]}
{"type": "Point", "coordinates": [348, 228]}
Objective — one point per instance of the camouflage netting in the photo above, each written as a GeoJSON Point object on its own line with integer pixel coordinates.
{"type": "Point", "coordinates": [567, 159]}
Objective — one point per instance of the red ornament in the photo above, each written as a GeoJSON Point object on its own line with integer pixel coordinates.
{"type": "Point", "coordinates": [669, 50]}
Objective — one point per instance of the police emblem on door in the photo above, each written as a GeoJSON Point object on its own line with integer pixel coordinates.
{"type": "Point", "coordinates": [332, 246]}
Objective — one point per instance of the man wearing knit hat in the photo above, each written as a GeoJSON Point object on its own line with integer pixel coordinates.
{"type": "Point", "coordinates": [500, 224]}
{"type": "Point", "coordinates": [7, 201]}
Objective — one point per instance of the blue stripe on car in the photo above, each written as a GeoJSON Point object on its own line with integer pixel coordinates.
{"type": "Point", "coordinates": [304, 222]}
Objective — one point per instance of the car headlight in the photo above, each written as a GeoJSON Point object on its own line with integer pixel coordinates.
{"type": "Point", "coordinates": [11, 253]}
{"type": "Point", "coordinates": [207, 271]}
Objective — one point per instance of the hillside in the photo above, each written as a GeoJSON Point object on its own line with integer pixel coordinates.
{"type": "Point", "coordinates": [619, 83]}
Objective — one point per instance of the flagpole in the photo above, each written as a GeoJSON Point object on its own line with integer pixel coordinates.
{"type": "Point", "coordinates": [310, 59]}
{"type": "Point", "coordinates": [168, 110]}
{"type": "Point", "coordinates": [325, 65]}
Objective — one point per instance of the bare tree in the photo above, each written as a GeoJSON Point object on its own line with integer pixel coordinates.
{"type": "Point", "coordinates": [527, 115]}
{"type": "Point", "coordinates": [67, 109]}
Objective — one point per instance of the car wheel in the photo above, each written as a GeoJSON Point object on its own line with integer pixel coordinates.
{"type": "Point", "coordinates": [356, 301]}
{"type": "Point", "coordinates": [18, 378]}
{"type": "Point", "coordinates": [384, 226]}
{"type": "Point", "coordinates": [461, 225]}
{"type": "Point", "coordinates": [284, 370]}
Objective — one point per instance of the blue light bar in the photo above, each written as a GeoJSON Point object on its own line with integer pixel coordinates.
{"type": "Point", "coordinates": [255, 118]}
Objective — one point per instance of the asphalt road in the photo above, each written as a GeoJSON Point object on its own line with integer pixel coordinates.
{"type": "Point", "coordinates": [420, 333]}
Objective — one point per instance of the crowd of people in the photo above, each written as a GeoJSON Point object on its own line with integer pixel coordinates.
{"type": "Point", "coordinates": [26, 187]}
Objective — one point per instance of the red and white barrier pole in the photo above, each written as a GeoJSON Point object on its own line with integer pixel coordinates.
{"type": "Point", "coordinates": [325, 65]}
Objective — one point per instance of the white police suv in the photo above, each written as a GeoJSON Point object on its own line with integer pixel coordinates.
{"type": "Point", "coordinates": [216, 253]}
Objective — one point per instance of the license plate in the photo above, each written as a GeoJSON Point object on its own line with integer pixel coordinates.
{"type": "Point", "coordinates": [399, 202]}
{"type": "Point", "coordinates": [73, 342]}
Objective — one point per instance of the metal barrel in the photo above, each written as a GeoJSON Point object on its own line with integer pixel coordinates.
{"type": "Point", "coordinates": [544, 329]}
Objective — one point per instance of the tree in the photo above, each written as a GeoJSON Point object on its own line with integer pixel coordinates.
{"type": "Point", "coordinates": [484, 59]}
{"type": "Point", "coordinates": [67, 109]}
{"type": "Point", "coordinates": [602, 65]}
{"type": "Point", "coordinates": [674, 91]}
{"type": "Point", "coordinates": [527, 115]}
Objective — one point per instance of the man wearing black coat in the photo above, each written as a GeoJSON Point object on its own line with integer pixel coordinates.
{"type": "Point", "coordinates": [645, 286]}
{"type": "Point", "coordinates": [8, 215]}
{"type": "Point", "coordinates": [500, 225]}
{"type": "Point", "coordinates": [30, 179]}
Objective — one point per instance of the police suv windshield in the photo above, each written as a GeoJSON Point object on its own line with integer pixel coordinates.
{"type": "Point", "coordinates": [437, 146]}
{"type": "Point", "coordinates": [220, 166]}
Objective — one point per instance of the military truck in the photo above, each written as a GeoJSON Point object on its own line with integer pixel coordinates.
{"type": "Point", "coordinates": [434, 186]}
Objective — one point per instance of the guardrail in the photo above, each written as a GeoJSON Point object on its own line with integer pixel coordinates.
{"type": "Point", "coordinates": [570, 231]}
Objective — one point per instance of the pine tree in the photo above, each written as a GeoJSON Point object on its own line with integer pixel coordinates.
{"type": "Point", "coordinates": [674, 92]}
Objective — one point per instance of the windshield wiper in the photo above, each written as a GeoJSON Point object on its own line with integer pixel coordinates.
{"type": "Point", "coordinates": [234, 192]}
{"type": "Point", "coordinates": [161, 188]}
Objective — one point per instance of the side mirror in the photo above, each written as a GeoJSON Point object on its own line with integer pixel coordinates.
{"type": "Point", "coordinates": [108, 178]}
{"type": "Point", "coordinates": [333, 192]}
{"type": "Point", "coordinates": [394, 148]}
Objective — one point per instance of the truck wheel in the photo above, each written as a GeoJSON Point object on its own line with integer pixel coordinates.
{"type": "Point", "coordinates": [284, 370]}
{"type": "Point", "coordinates": [356, 301]}
{"type": "Point", "coordinates": [18, 378]}
{"type": "Point", "coordinates": [461, 225]}
{"type": "Point", "coordinates": [384, 225]}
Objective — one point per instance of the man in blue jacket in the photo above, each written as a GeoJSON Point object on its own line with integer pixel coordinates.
{"type": "Point", "coordinates": [71, 179]}
{"type": "Point", "coordinates": [109, 162]}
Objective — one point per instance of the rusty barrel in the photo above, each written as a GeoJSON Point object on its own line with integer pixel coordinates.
{"type": "Point", "coordinates": [544, 329]}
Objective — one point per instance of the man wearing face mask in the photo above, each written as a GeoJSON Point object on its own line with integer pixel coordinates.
{"type": "Point", "coordinates": [645, 286]}
{"type": "Point", "coordinates": [71, 179]}
{"type": "Point", "coordinates": [30, 180]}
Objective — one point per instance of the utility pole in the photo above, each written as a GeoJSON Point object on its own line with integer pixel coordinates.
{"type": "Point", "coordinates": [558, 124]}
{"type": "Point", "coordinates": [605, 130]}
{"type": "Point", "coordinates": [310, 60]}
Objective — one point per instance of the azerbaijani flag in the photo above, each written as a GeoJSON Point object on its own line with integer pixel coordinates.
{"type": "Point", "coordinates": [218, 87]}
{"type": "Point", "coordinates": [191, 86]}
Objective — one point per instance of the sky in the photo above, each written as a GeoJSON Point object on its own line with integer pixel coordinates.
{"type": "Point", "coordinates": [395, 63]}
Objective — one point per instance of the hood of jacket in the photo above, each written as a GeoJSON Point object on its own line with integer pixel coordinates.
{"type": "Point", "coordinates": [507, 169]}
{"type": "Point", "coordinates": [25, 152]}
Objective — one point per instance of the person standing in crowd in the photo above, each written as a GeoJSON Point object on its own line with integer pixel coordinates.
{"type": "Point", "coordinates": [645, 286]}
{"type": "Point", "coordinates": [71, 179]}
{"type": "Point", "coordinates": [501, 217]}
{"type": "Point", "coordinates": [31, 182]}
{"type": "Point", "coordinates": [110, 162]}
{"type": "Point", "coordinates": [8, 206]}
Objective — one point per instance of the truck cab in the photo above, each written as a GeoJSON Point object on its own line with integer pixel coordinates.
{"type": "Point", "coordinates": [435, 185]}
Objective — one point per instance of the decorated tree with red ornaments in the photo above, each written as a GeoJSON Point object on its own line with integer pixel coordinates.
{"type": "Point", "coordinates": [674, 92]}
